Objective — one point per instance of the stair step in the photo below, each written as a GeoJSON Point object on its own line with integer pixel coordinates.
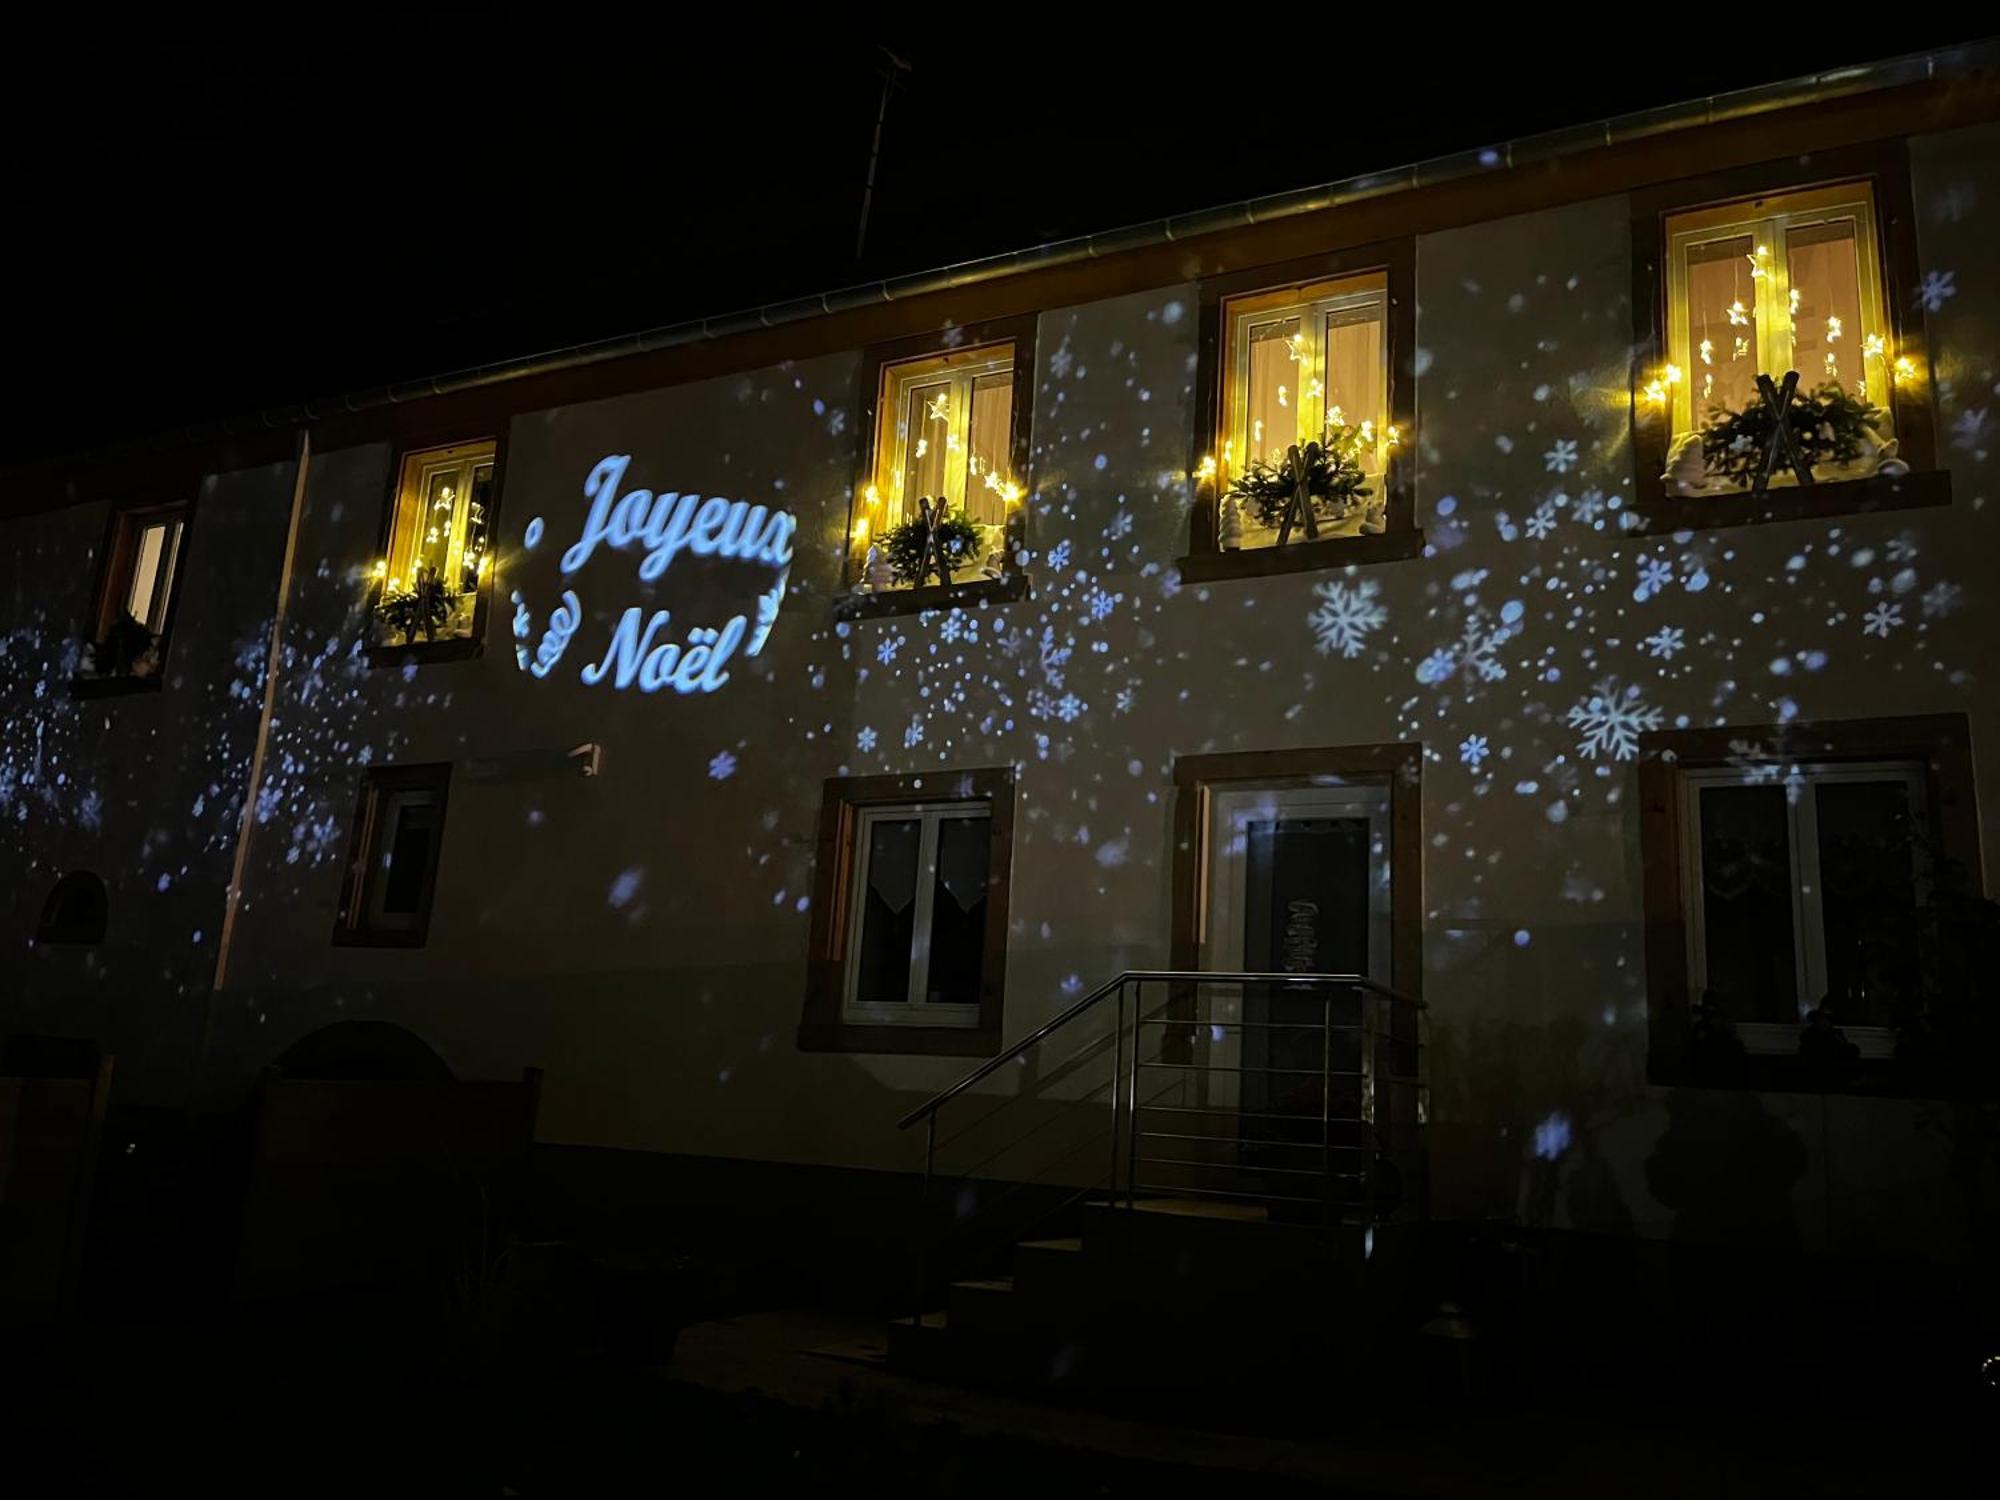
{"type": "Point", "coordinates": [918, 1344]}
{"type": "Point", "coordinates": [1051, 1270]}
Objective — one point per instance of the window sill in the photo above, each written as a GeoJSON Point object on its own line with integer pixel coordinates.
{"type": "Point", "coordinates": [114, 687]}
{"type": "Point", "coordinates": [1839, 497]}
{"type": "Point", "coordinates": [972, 594]}
{"type": "Point", "coordinates": [926, 1041]}
{"type": "Point", "coordinates": [1301, 557]}
{"type": "Point", "coordinates": [422, 653]}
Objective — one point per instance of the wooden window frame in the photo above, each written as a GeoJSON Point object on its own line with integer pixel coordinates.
{"type": "Point", "coordinates": [351, 927]}
{"type": "Point", "coordinates": [1014, 582]}
{"type": "Point", "coordinates": [824, 1027]}
{"type": "Point", "coordinates": [1941, 743]}
{"type": "Point", "coordinates": [1401, 537]}
{"type": "Point", "coordinates": [113, 563]}
{"type": "Point", "coordinates": [1399, 763]}
{"type": "Point", "coordinates": [462, 648]}
{"type": "Point", "coordinates": [1885, 167]}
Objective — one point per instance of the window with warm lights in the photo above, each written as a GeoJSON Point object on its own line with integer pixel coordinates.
{"type": "Point", "coordinates": [1787, 282]}
{"type": "Point", "coordinates": [143, 559]}
{"type": "Point", "coordinates": [436, 569]}
{"type": "Point", "coordinates": [938, 502]}
{"type": "Point", "coordinates": [1305, 398]}
{"type": "Point", "coordinates": [1306, 365]}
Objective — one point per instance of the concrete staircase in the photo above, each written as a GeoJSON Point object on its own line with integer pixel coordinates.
{"type": "Point", "coordinates": [1166, 1293]}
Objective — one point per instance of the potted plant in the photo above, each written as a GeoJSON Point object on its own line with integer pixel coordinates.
{"type": "Point", "coordinates": [1825, 426]}
{"type": "Point", "coordinates": [932, 543]}
{"type": "Point", "coordinates": [1319, 484]}
{"type": "Point", "coordinates": [424, 607]}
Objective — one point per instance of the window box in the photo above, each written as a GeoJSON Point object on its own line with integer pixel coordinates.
{"type": "Point", "coordinates": [1792, 867]}
{"type": "Point", "coordinates": [434, 579]}
{"type": "Point", "coordinates": [393, 857]}
{"type": "Point", "coordinates": [1311, 351]}
{"type": "Point", "coordinates": [909, 942]}
{"type": "Point", "coordinates": [138, 592]}
{"type": "Point", "coordinates": [1798, 265]}
{"type": "Point", "coordinates": [942, 423]}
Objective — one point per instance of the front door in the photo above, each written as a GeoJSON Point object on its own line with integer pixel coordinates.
{"type": "Point", "coordinates": [1296, 881]}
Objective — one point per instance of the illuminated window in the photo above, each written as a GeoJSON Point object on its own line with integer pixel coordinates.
{"type": "Point", "coordinates": [437, 566]}
{"type": "Point", "coordinates": [944, 428]}
{"type": "Point", "coordinates": [393, 856]}
{"type": "Point", "coordinates": [909, 941]}
{"type": "Point", "coordinates": [142, 569]}
{"type": "Point", "coordinates": [1298, 363]}
{"type": "Point", "coordinates": [1805, 889]}
{"type": "Point", "coordinates": [1792, 281]}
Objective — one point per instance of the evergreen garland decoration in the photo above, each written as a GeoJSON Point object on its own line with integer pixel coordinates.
{"type": "Point", "coordinates": [423, 608]}
{"type": "Point", "coordinates": [1334, 480]}
{"type": "Point", "coordinates": [912, 555]}
{"type": "Point", "coordinates": [1827, 426]}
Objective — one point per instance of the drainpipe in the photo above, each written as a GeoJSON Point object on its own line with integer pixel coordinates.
{"type": "Point", "coordinates": [233, 897]}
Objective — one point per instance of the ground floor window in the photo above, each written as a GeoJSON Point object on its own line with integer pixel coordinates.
{"type": "Point", "coordinates": [1793, 881]}
{"type": "Point", "coordinates": [911, 914]}
{"type": "Point", "coordinates": [1804, 887]}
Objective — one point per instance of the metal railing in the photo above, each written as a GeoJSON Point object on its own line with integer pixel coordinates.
{"type": "Point", "coordinates": [1304, 1095]}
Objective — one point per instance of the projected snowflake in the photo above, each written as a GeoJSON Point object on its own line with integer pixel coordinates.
{"type": "Point", "coordinates": [1612, 718]}
{"type": "Point", "coordinates": [1346, 615]}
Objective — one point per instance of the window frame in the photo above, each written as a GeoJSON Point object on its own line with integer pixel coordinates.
{"type": "Point", "coordinates": [458, 648]}
{"type": "Point", "coordinates": [848, 804]}
{"type": "Point", "coordinates": [915, 1009]}
{"type": "Point", "coordinates": [1215, 400]}
{"type": "Point", "coordinates": [1940, 744]}
{"type": "Point", "coordinates": [1808, 915]}
{"type": "Point", "coordinates": [127, 519]}
{"type": "Point", "coordinates": [1014, 581]}
{"type": "Point", "coordinates": [1763, 222]}
{"type": "Point", "coordinates": [1398, 765]}
{"type": "Point", "coordinates": [353, 926]}
{"type": "Point", "coordinates": [1884, 167]}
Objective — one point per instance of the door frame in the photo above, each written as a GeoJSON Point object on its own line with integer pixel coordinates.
{"type": "Point", "coordinates": [1195, 776]}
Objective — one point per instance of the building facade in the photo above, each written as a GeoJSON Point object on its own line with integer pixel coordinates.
{"type": "Point", "coordinates": [598, 718]}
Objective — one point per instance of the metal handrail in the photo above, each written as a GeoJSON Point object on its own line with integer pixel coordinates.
{"type": "Point", "coordinates": [1169, 976]}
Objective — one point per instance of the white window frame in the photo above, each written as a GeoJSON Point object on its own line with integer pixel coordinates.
{"type": "Point", "coordinates": [1767, 222]}
{"type": "Point", "coordinates": [917, 1010]}
{"type": "Point", "coordinates": [959, 371]}
{"type": "Point", "coordinates": [1313, 304]}
{"type": "Point", "coordinates": [1808, 916]}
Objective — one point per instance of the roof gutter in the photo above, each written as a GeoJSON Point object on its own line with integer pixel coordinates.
{"type": "Point", "coordinates": [1538, 149]}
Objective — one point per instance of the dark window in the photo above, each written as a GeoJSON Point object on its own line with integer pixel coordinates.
{"type": "Point", "coordinates": [144, 558]}
{"type": "Point", "coordinates": [1807, 880]}
{"type": "Point", "coordinates": [910, 914]}
{"type": "Point", "coordinates": [392, 865]}
{"type": "Point", "coordinates": [1800, 869]}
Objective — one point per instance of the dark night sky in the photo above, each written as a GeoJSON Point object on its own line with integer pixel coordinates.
{"type": "Point", "coordinates": [225, 219]}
